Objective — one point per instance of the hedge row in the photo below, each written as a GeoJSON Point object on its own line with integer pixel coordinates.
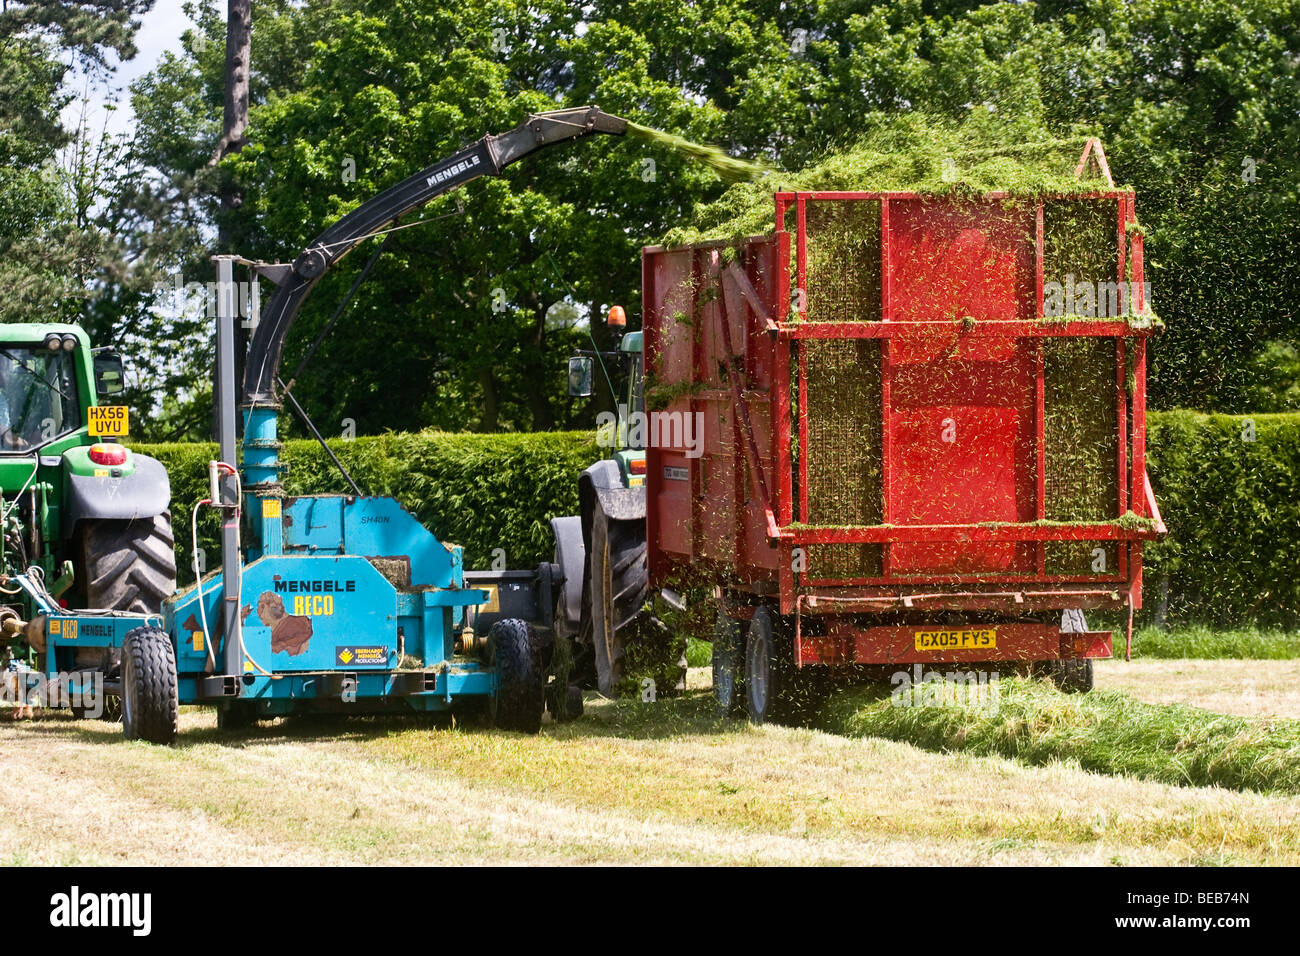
{"type": "Point", "coordinates": [479, 491]}
{"type": "Point", "coordinates": [1228, 487]}
{"type": "Point", "coordinates": [1229, 490]}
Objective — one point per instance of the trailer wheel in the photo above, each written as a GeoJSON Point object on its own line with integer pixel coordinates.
{"type": "Point", "coordinates": [729, 666]}
{"type": "Point", "coordinates": [767, 669]}
{"type": "Point", "coordinates": [517, 702]}
{"type": "Point", "coordinates": [1072, 675]}
{"type": "Point", "coordinates": [150, 709]}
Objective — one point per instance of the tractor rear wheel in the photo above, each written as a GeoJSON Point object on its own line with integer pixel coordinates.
{"type": "Point", "coordinates": [130, 565]}
{"type": "Point", "coordinates": [150, 709]}
{"type": "Point", "coordinates": [517, 701]}
{"type": "Point", "coordinates": [729, 666]}
{"type": "Point", "coordinates": [620, 586]}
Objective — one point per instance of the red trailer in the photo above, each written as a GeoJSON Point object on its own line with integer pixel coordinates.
{"type": "Point", "coordinates": [924, 423]}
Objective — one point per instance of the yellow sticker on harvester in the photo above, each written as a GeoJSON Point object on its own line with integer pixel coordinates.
{"type": "Point", "coordinates": [270, 507]}
{"type": "Point", "coordinates": [198, 641]}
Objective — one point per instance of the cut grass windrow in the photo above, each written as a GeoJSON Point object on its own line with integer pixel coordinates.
{"type": "Point", "coordinates": [1102, 731]}
{"type": "Point", "coordinates": [1207, 643]}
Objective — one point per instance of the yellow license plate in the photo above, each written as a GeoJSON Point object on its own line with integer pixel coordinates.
{"type": "Point", "coordinates": [109, 421]}
{"type": "Point", "coordinates": [964, 639]}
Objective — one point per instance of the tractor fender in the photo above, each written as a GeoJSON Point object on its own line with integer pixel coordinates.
{"type": "Point", "coordinates": [603, 482]}
{"type": "Point", "coordinates": [142, 494]}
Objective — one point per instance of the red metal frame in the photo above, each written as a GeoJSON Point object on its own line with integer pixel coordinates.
{"type": "Point", "coordinates": [761, 434]}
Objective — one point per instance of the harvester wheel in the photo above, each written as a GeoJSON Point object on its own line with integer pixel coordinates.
{"type": "Point", "coordinates": [235, 716]}
{"type": "Point", "coordinates": [729, 666]}
{"type": "Point", "coordinates": [110, 710]}
{"type": "Point", "coordinates": [517, 702]}
{"type": "Point", "coordinates": [150, 710]}
{"type": "Point", "coordinates": [130, 565]}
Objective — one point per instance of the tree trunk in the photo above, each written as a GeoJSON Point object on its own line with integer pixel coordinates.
{"type": "Point", "coordinates": [535, 369]}
{"type": "Point", "coordinates": [239, 38]}
{"type": "Point", "coordinates": [487, 382]}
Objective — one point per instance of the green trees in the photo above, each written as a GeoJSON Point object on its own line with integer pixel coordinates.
{"type": "Point", "coordinates": [466, 318]}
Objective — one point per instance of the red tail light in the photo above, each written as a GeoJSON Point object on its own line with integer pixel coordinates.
{"type": "Point", "coordinates": [636, 466]}
{"type": "Point", "coordinates": [107, 454]}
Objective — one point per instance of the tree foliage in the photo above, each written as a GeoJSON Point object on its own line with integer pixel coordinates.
{"type": "Point", "coordinates": [468, 314]}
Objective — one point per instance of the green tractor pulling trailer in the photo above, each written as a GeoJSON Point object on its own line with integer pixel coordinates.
{"type": "Point", "coordinates": [85, 519]}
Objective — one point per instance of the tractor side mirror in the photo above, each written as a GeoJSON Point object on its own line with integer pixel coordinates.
{"type": "Point", "coordinates": [110, 377]}
{"type": "Point", "coordinates": [581, 376]}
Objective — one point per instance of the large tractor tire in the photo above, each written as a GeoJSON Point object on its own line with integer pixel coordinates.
{"type": "Point", "coordinates": [130, 565]}
{"type": "Point", "coordinates": [634, 652]}
{"type": "Point", "coordinates": [517, 702]}
{"type": "Point", "coordinates": [127, 566]}
{"type": "Point", "coordinates": [150, 709]}
{"type": "Point", "coordinates": [620, 587]}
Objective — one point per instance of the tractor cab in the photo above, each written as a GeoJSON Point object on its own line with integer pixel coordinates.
{"type": "Point", "coordinates": [622, 432]}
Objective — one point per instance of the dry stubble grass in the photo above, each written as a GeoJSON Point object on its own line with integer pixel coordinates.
{"type": "Point", "coordinates": [663, 783]}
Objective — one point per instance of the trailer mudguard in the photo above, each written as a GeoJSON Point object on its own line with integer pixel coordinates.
{"type": "Point", "coordinates": [142, 493]}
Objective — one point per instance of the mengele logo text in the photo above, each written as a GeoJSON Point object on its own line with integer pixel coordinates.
{"type": "Point", "coordinates": [76, 909]}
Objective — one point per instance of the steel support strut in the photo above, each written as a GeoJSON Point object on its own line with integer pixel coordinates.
{"type": "Point", "coordinates": [232, 638]}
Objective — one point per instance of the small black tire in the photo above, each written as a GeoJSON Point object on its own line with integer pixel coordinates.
{"type": "Point", "coordinates": [729, 666]}
{"type": "Point", "coordinates": [517, 701]}
{"type": "Point", "coordinates": [110, 710]}
{"type": "Point", "coordinates": [1073, 675]}
{"type": "Point", "coordinates": [150, 709]}
{"type": "Point", "coordinates": [235, 716]}
{"type": "Point", "coordinates": [564, 701]}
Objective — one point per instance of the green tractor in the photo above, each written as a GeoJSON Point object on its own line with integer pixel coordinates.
{"type": "Point", "coordinates": [606, 608]}
{"type": "Point", "coordinates": [85, 520]}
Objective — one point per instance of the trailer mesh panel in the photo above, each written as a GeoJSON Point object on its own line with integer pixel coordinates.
{"type": "Point", "coordinates": [843, 250]}
{"type": "Point", "coordinates": [1079, 253]}
{"type": "Point", "coordinates": [1081, 440]}
{"type": "Point", "coordinates": [844, 448]}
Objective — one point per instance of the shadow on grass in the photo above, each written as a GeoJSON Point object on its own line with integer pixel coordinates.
{"type": "Point", "coordinates": [687, 714]}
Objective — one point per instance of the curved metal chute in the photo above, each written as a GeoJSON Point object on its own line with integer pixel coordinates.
{"type": "Point", "coordinates": [487, 157]}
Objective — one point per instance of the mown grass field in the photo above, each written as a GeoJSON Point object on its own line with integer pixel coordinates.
{"type": "Point", "coordinates": [629, 783]}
